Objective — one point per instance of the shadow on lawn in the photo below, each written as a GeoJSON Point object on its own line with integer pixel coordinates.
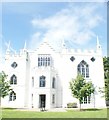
{"type": "Point", "coordinates": [9, 108]}
{"type": "Point", "coordinates": [91, 109]}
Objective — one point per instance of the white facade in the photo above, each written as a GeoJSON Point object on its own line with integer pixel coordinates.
{"type": "Point", "coordinates": [42, 77]}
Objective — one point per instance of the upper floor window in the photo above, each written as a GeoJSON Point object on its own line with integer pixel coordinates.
{"type": "Point", "coordinates": [42, 81]}
{"type": "Point", "coordinates": [53, 82]}
{"type": "Point", "coordinates": [14, 65]}
{"type": "Point", "coordinates": [53, 99]}
{"type": "Point", "coordinates": [32, 81]}
{"type": "Point", "coordinates": [72, 58]}
{"type": "Point", "coordinates": [44, 60]}
{"type": "Point", "coordinates": [12, 96]}
{"type": "Point", "coordinates": [83, 69]}
{"type": "Point", "coordinates": [13, 79]}
{"type": "Point", "coordinates": [92, 59]}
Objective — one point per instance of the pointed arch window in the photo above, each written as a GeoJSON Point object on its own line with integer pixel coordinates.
{"type": "Point", "coordinates": [83, 69]}
{"type": "Point", "coordinates": [32, 81]}
{"type": "Point", "coordinates": [42, 81]}
{"type": "Point", "coordinates": [53, 82]}
{"type": "Point", "coordinates": [13, 79]}
{"type": "Point", "coordinates": [12, 96]}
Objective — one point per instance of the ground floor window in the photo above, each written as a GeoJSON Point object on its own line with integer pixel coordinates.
{"type": "Point", "coordinates": [12, 96]}
{"type": "Point", "coordinates": [53, 99]}
{"type": "Point", "coordinates": [86, 100]}
{"type": "Point", "coordinates": [32, 100]}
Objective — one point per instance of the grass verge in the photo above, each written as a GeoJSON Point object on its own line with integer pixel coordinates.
{"type": "Point", "coordinates": [87, 113]}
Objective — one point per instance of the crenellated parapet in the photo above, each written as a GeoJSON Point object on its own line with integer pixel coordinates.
{"type": "Point", "coordinates": [97, 51]}
{"type": "Point", "coordinates": [81, 51]}
{"type": "Point", "coordinates": [21, 54]}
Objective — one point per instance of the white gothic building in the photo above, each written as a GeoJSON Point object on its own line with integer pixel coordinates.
{"type": "Point", "coordinates": [42, 76]}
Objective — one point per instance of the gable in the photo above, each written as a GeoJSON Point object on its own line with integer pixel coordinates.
{"type": "Point", "coordinates": [45, 48]}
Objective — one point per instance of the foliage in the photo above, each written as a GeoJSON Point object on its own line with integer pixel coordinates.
{"type": "Point", "coordinates": [107, 91]}
{"type": "Point", "coordinates": [4, 85]}
{"type": "Point", "coordinates": [106, 77]}
{"type": "Point", "coordinates": [80, 88]}
{"type": "Point", "coordinates": [106, 67]}
{"type": "Point", "coordinates": [72, 105]}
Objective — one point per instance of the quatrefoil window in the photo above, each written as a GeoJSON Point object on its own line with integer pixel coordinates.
{"type": "Point", "coordinates": [72, 58]}
{"type": "Point", "coordinates": [92, 59]}
{"type": "Point", "coordinates": [14, 65]}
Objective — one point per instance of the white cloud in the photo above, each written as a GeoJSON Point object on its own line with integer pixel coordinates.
{"type": "Point", "coordinates": [74, 24]}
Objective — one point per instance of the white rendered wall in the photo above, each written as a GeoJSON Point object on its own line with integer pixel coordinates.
{"type": "Point", "coordinates": [62, 68]}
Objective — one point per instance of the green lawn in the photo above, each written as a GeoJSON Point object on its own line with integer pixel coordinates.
{"type": "Point", "coordinates": [14, 113]}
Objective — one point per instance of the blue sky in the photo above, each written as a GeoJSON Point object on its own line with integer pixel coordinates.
{"type": "Point", "coordinates": [77, 23]}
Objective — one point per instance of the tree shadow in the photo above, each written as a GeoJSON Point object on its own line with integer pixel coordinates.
{"type": "Point", "coordinates": [9, 108]}
{"type": "Point", "coordinates": [91, 109]}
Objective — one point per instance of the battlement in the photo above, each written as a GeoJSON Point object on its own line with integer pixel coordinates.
{"type": "Point", "coordinates": [63, 50]}
{"type": "Point", "coordinates": [81, 51]}
{"type": "Point", "coordinates": [23, 53]}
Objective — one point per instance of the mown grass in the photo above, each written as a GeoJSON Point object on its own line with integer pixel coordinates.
{"type": "Point", "coordinates": [88, 113]}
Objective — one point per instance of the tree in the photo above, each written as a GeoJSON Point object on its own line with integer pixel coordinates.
{"type": "Point", "coordinates": [4, 86]}
{"type": "Point", "coordinates": [105, 90]}
{"type": "Point", "coordinates": [80, 88]}
{"type": "Point", "coordinates": [106, 67]}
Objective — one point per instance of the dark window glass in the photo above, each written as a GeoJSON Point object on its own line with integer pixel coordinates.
{"type": "Point", "coordinates": [72, 58]}
{"type": "Point", "coordinates": [53, 82]}
{"type": "Point", "coordinates": [13, 79]}
{"type": "Point", "coordinates": [12, 96]}
{"type": "Point", "coordinates": [42, 81]}
{"type": "Point", "coordinates": [53, 99]}
{"type": "Point", "coordinates": [86, 100]}
{"type": "Point", "coordinates": [92, 59]}
{"type": "Point", "coordinates": [32, 81]}
{"type": "Point", "coordinates": [44, 60]}
{"type": "Point", "coordinates": [83, 69]}
{"type": "Point", "coordinates": [48, 61]}
{"type": "Point", "coordinates": [14, 65]}
{"type": "Point", "coordinates": [39, 62]}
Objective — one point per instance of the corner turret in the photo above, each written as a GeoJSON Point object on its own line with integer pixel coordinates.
{"type": "Point", "coordinates": [8, 48]}
{"type": "Point", "coordinates": [98, 46]}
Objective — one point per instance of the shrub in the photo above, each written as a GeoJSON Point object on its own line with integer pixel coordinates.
{"type": "Point", "coordinates": [72, 105]}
